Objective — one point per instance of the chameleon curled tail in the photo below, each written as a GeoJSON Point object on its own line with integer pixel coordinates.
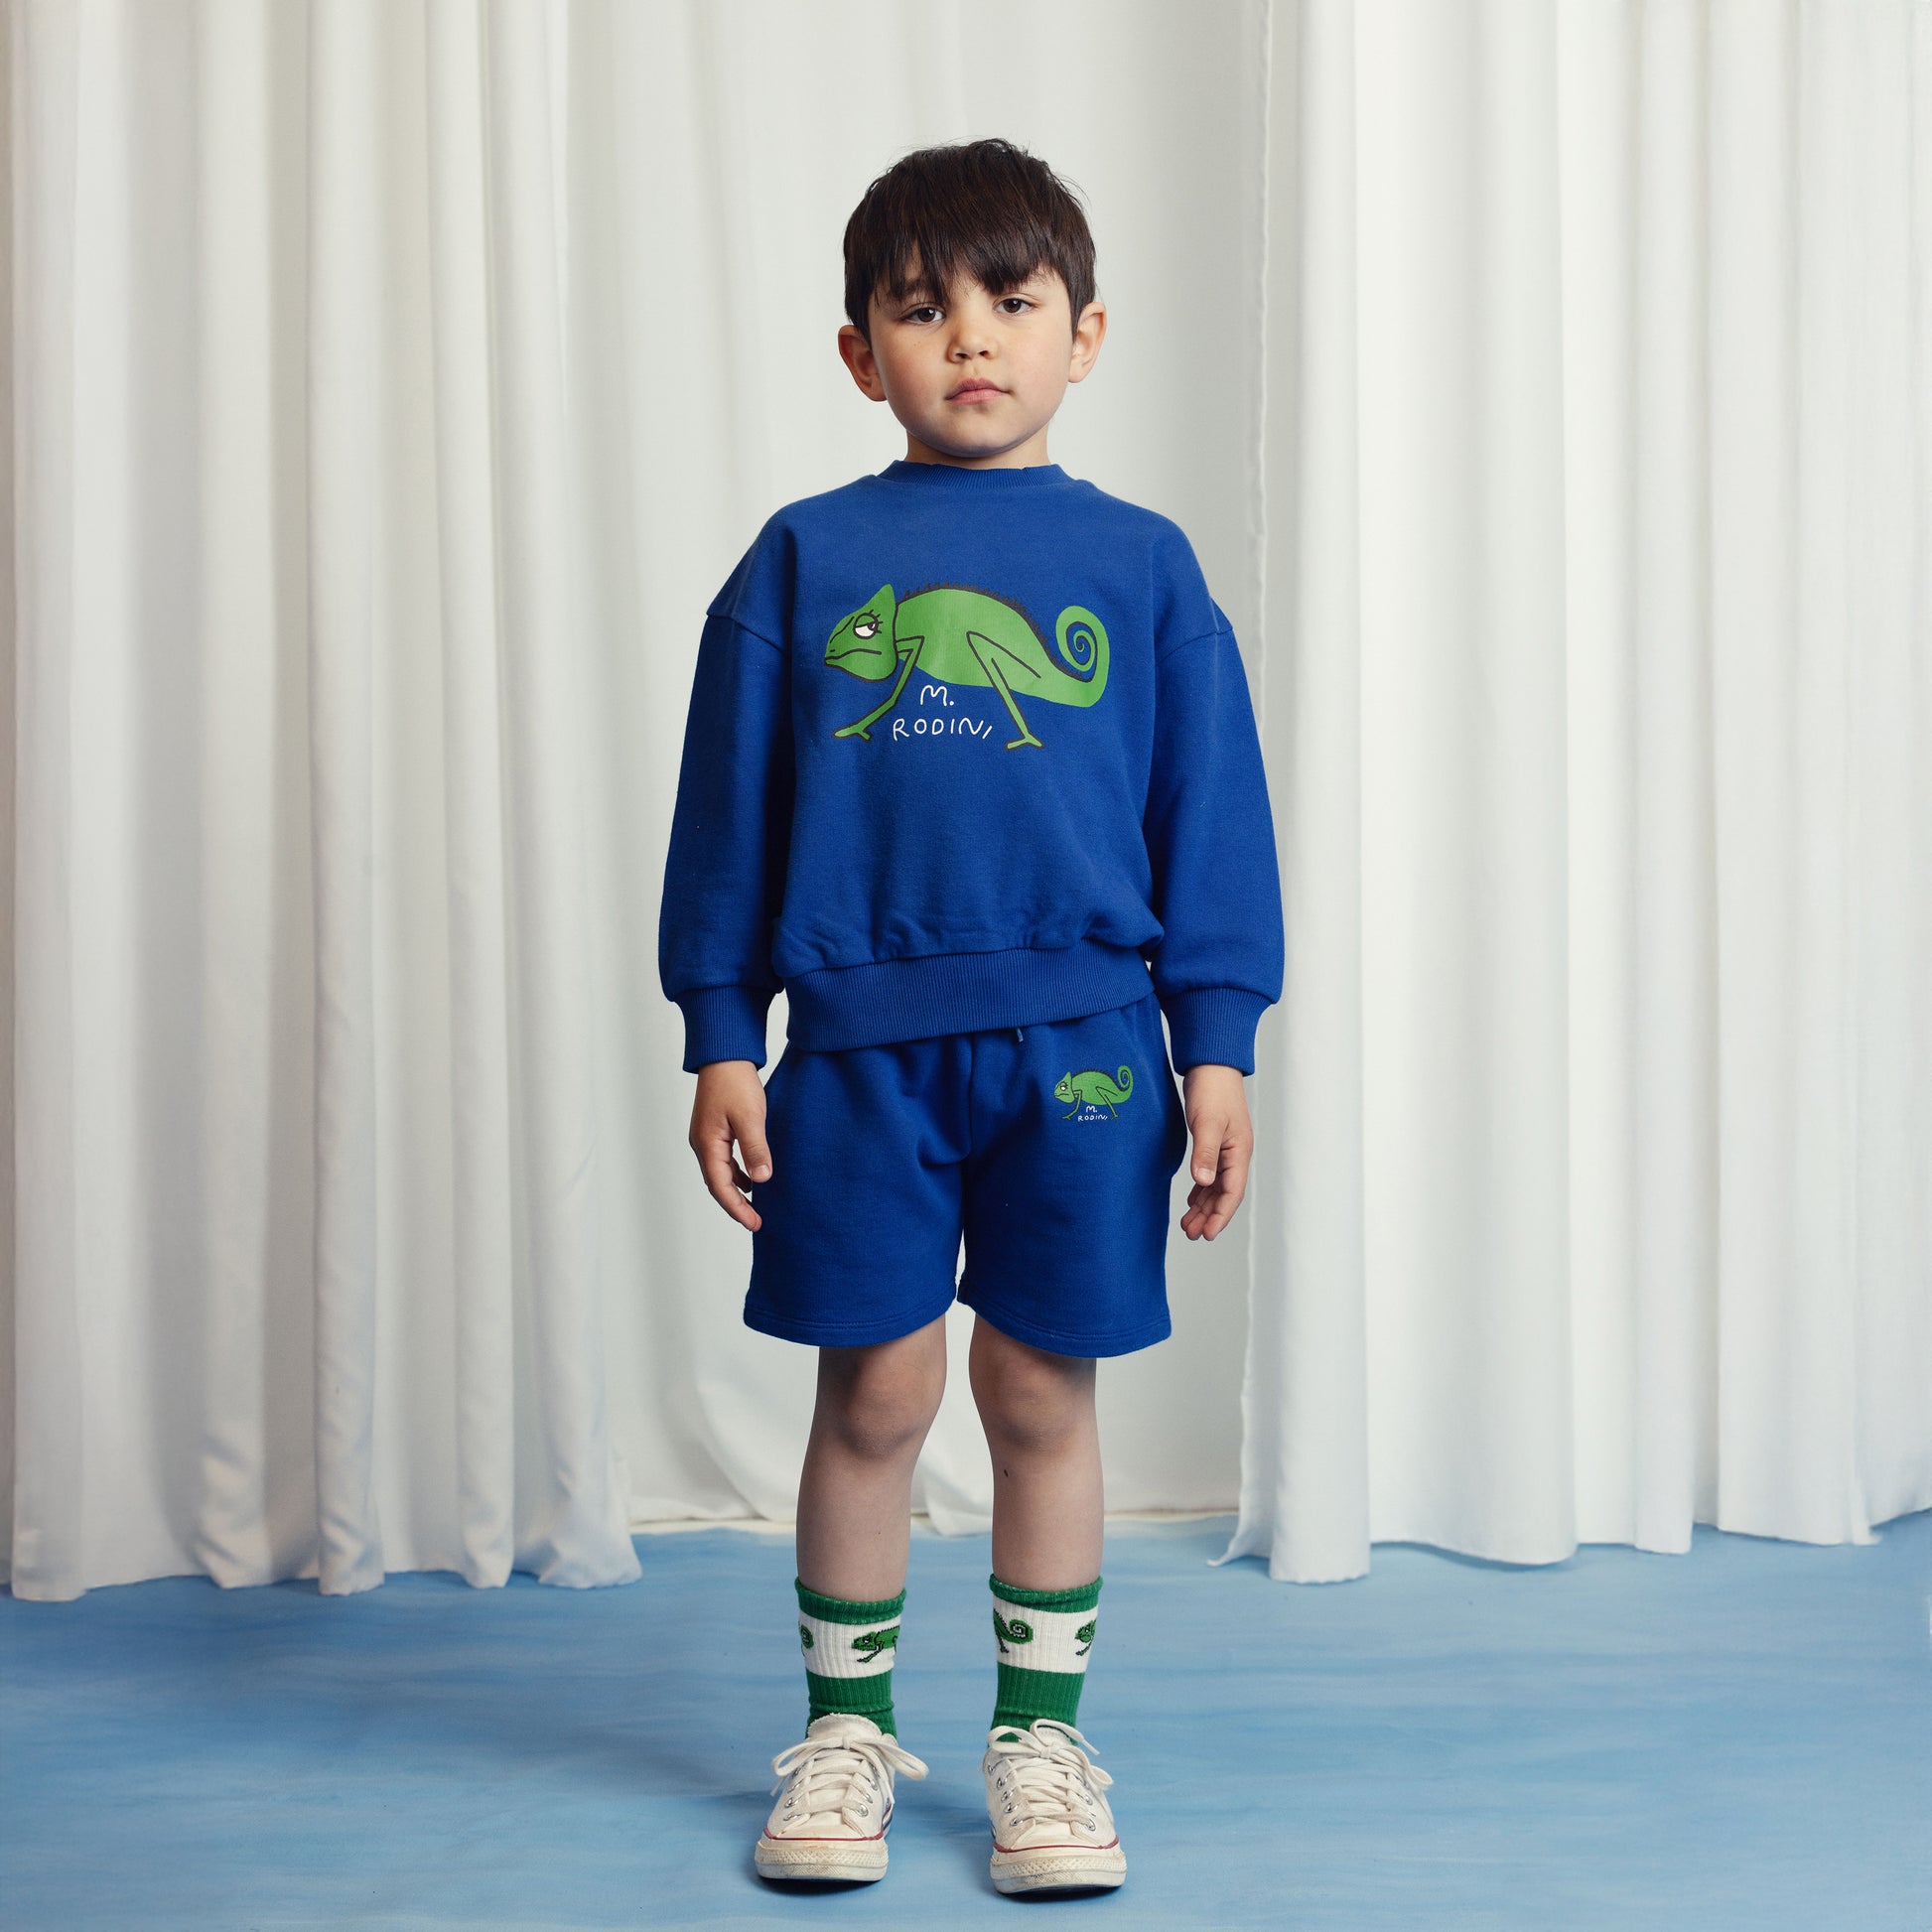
{"type": "Point", "coordinates": [1124, 1080]}
{"type": "Point", "coordinates": [1082, 630]}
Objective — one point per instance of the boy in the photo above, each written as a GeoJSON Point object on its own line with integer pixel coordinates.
{"type": "Point", "coordinates": [970, 750]}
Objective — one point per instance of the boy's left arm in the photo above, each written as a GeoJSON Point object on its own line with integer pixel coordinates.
{"type": "Point", "coordinates": [1211, 840]}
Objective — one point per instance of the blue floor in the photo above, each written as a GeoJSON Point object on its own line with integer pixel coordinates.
{"type": "Point", "coordinates": [1738, 1737]}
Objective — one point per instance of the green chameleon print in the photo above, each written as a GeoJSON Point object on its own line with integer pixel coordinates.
{"type": "Point", "coordinates": [1019, 1631]}
{"type": "Point", "coordinates": [1085, 1636]}
{"type": "Point", "coordinates": [873, 1644]}
{"type": "Point", "coordinates": [1091, 1087]}
{"type": "Point", "coordinates": [958, 634]}
{"type": "Point", "coordinates": [870, 1644]}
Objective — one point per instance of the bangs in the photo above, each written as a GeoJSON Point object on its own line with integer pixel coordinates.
{"type": "Point", "coordinates": [984, 210]}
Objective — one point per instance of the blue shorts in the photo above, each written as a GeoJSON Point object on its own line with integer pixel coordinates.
{"type": "Point", "coordinates": [1050, 1147]}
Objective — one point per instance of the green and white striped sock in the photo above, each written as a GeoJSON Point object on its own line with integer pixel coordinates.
{"type": "Point", "coordinates": [1043, 1637]}
{"type": "Point", "coordinates": [849, 1650]}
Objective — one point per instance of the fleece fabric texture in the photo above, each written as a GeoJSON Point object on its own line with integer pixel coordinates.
{"type": "Point", "coordinates": [886, 1157]}
{"type": "Point", "coordinates": [968, 749]}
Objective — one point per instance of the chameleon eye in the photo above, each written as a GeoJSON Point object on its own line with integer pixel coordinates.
{"type": "Point", "coordinates": [867, 627]}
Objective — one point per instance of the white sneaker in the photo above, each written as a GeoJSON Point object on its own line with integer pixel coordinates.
{"type": "Point", "coordinates": [1052, 1830]}
{"type": "Point", "coordinates": [838, 1800]}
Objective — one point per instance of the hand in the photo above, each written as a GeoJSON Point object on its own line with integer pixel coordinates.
{"type": "Point", "coordinates": [731, 1107]}
{"type": "Point", "coordinates": [1216, 1105]}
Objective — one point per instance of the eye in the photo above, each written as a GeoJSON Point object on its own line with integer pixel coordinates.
{"type": "Point", "coordinates": [924, 309]}
{"type": "Point", "coordinates": [867, 627]}
{"type": "Point", "coordinates": [1020, 299]}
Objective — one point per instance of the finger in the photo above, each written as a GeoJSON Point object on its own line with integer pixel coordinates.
{"type": "Point", "coordinates": [1232, 1181]}
{"type": "Point", "coordinates": [724, 1179]}
{"type": "Point", "coordinates": [1210, 1131]}
{"type": "Point", "coordinates": [1211, 1205]}
{"type": "Point", "coordinates": [1218, 1214]}
{"type": "Point", "coordinates": [1205, 1221]}
{"type": "Point", "coordinates": [1204, 1164]}
{"type": "Point", "coordinates": [753, 1148]}
{"type": "Point", "coordinates": [1215, 1140]}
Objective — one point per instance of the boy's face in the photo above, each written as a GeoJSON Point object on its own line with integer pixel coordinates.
{"type": "Point", "coordinates": [977, 379]}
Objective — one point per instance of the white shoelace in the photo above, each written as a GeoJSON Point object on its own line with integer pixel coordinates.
{"type": "Point", "coordinates": [837, 1772]}
{"type": "Point", "coordinates": [1053, 1777]}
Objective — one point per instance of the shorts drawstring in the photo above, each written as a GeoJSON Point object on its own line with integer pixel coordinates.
{"type": "Point", "coordinates": [1020, 1032]}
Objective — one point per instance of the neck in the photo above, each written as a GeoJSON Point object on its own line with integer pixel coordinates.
{"type": "Point", "coordinates": [1022, 455]}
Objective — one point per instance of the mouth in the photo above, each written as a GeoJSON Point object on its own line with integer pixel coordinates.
{"type": "Point", "coordinates": [974, 392]}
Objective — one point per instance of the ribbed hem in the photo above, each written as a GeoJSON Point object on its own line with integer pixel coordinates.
{"type": "Point", "coordinates": [842, 1006]}
{"type": "Point", "coordinates": [725, 1023]}
{"type": "Point", "coordinates": [954, 476]}
{"type": "Point", "coordinates": [847, 1334]}
{"type": "Point", "coordinates": [1057, 1341]}
{"type": "Point", "coordinates": [1213, 1024]}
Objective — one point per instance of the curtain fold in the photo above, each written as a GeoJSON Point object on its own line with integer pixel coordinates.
{"type": "Point", "coordinates": [344, 491]}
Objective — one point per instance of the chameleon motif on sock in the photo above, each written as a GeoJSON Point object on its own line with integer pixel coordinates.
{"type": "Point", "coordinates": [1092, 1087]}
{"type": "Point", "coordinates": [873, 1644]}
{"type": "Point", "coordinates": [1085, 1636]}
{"type": "Point", "coordinates": [1014, 1633]}
{"type": "Point", "coordinates": [957, 633]}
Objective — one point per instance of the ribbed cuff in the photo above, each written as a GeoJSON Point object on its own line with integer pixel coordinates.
{"type": "Point", "coordinates": [725, 1023]}
{"type": "Point", "coordinates": [1082, 1597]}
{"type": "Point", "coordinates": [1214, 1025]}
{"type": "Point", "coordinates": [840, 1609]}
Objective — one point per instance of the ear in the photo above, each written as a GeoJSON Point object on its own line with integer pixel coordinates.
{"type": "Point", "coordinates": [1087, 335]}
{"type": "Point", "coordinates": [855, 354]}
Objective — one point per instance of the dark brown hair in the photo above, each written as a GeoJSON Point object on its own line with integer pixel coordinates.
{"type": "Point", "coordinates": [986, 207]}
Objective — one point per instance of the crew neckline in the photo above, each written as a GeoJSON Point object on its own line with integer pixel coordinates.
{"type": "Point", "coordinates": [954, 476]}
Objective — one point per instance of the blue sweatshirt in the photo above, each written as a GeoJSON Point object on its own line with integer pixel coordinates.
{"type": "Point", "coordinates": [968, 749]}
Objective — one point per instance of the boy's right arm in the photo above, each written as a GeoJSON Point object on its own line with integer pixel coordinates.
{"type": "Point", "coordinates": [724, 886]}
{"type": "Point", "coordinates": [731, 838]}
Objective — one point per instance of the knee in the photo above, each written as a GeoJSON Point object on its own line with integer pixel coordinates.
{"type": "Point", "coordinates": [1029, 1402]}
{"type": "Point", "coordinates": [880, 1404]}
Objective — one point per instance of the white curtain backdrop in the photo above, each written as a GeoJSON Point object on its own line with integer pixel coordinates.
{"type": "Point", "coordinates": [1597, 600]}
{"type": "Point", "coordinates": [1548, 392]}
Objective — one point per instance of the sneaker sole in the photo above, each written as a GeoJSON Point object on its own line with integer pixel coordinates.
{"type": "Point", "coordinates": [1060, 1870]}
{"type": "Point", "coordinates": [859, 1862]}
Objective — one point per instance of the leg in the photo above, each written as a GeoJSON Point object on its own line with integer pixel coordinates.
{"type": "Point", "coordinates": [855, 1496]}
{"type": "Point", "coordinates": [1038, 1415]}
{"type": "Point", "coordinates": [874, 1406]}
{"type": "Point", "coordinates": [1053, 1830]}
